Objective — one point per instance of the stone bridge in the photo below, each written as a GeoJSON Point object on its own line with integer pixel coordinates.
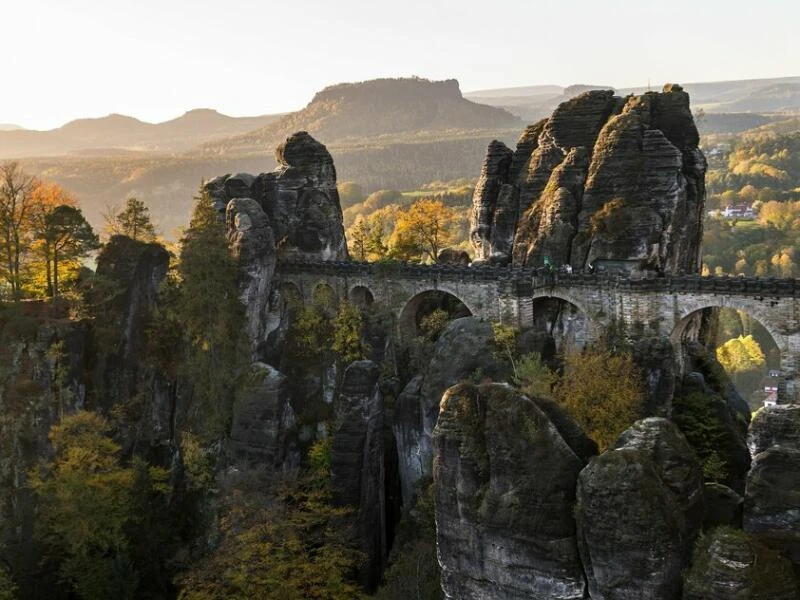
{"type": "Point", "coordinates": [647, 307]}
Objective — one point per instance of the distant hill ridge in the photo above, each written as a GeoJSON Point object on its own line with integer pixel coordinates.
{"type": "Point", "coordinates": [376, 108]}
{"type": "Point", "coordinates": [122, 132]}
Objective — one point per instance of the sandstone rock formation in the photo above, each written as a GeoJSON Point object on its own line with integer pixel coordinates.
{"type": "Point", "coordinates": [263, 420]}
{"type": "Point", "coordinates": [604, 180]}
{"type": "Point", "coordinates": [460, 350]}
{"type": "Point", "coordinates": [299, 198]}
{"type": "Point", "coordinates": [292, 212]}
{"type": "Point", "coordinates": [252, 243]}
{"type": "Point", "coordinates": [129, 274]}
{"type": "Point", "coordinates": [638, 509]}
{"type": "Point", "coordinates": [730, 566]}
{"type": "Point", "coordinates": [772, 492]}
{"type": "Point", "coordinates": [504, 481]}
{"type": "Point", "coordinates": [357, 463]}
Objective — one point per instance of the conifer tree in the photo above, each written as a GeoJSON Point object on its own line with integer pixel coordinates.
{"type": "Point", "coordinates": [133, 221]}
{"type": "Point", "coordinates": [212, 317]}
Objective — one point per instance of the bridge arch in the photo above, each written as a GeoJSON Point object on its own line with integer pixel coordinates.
{"type": "Point", "coordinates": [563, 318]}
{"type": "Point", "coordinates": [361, 296]}
{"type": "Point", "coordinates": [325, 298]}
{"type": "Point", "coordinates": [720, 322]}
{"type": "Point", "coordinates": [424, 303]}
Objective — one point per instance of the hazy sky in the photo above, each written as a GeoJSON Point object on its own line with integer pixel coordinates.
{"type": "Point", "coordinates": [154, 59]}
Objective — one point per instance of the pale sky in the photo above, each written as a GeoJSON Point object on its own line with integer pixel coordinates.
{"type": "Point", "coordinates": [155, 59]}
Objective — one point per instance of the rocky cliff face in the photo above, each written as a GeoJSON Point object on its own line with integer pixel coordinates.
{"type": "Point", "coordinates": [357, 463]}
{"type": "Point", "coordinates": [460, 351]}
{"type": "Point", "coordinates": [504, 480]}
{"type": "Point", "coordinates": [292, 212]}
{"type": "Point", "coordinates": [603, 179]}
{"type": "Point", "coordinates": [639, 507]}
{"type": "Point", "coordinates": [43, 374]}
{"type": "Point", "coordinates": [772, 492]}
{"type": "Point", "coordinates": [129, 274]}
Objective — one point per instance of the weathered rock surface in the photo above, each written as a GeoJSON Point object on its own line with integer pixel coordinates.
{"type": "Point", "coordinates": [252, 243]}
{"type": "Point", "coordinates": [675, 462]}
{"type": "Point", "coordinates": [357, 463]}
{"type": "Point", "coordinates": [772, 499]}
{"type": "Point", "coordinates": [504, 483]}
{"type": "Point", "coordinates": [728, 565]}
{"type": "Point", "coordinates": [467, 339]}
{"type": "Point", "coordinates": [299, 198]}
{"type": "Point", "coordinates": [723, 506]}
{"type": "Point", "coordinates": [495, 174]}
{"type": "Point", "coordinates": [728, 561]}
{"type": "Point", "coordinates": [292, 212]}
{"type": "Point", "coordinates": [774, 426]}
{"type": "Point", "coordinates": [772, 492]}
{"type": "Point", "coordinates": [639, 507]}
{"type": "Point", "coordinates": [603, 180]}
{"type": "Point", "coordinates": [129, 272]}
{"type": "Point", "coordinates": [453, 256]}
{"type": "Point", "coordinates": [263, 420]}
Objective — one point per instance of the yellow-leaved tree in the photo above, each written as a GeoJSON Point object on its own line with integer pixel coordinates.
{"type": "Point", "coordinates": [87, 505]}
{"type": "Point", "coordinates": [422, 230]}
{"type": "Point", "coordinates": [603, 391]}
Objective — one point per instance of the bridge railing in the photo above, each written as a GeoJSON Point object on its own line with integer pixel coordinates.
{"type": "Point", "coordinates": [543, 278]}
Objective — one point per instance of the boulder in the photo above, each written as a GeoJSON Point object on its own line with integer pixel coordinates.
{"type": "Point", "coordinates": [723, 569]}
{"type": "Point", "coordinates": [504, 485]}
{"type": "Point", "coordinates": [639, 509]}
{"type": "Point", "coordinates": [452, 256]}
{"type": "Point", "coordinates": [357, 464]}
{"type": "Point", "coordinates": [676, 464]}
{"type": "Point", "coordinates": [631, 532]}
{"type": "Point", "coordinates": [263, 425]}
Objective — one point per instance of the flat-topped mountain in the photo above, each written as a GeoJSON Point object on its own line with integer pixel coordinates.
{"type": "Point", "coordinates": [381, 107]}
{"type": "Point", "coordinates": [121, 132]}
{"type": "Point", "coordinates": [750, 95]}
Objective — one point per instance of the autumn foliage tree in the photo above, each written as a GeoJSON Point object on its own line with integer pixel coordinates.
{"type": "Point", "coordinates": [16, 206]}
{"type": "Point", "coordinates": [422, 230]}
{"type": "Point", "coordinates": [603, 391]}
{"type": "Point", "coordinates": [86, 506]}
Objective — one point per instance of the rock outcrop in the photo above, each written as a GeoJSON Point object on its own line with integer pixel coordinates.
{"type": "Point", "coordinates": [252, 243]}
{"type": "Point", "coordinates": [729, 566]}
{"type": "Point", "coordinates": [291, 212]}
{"type": "Point", "coordinates": [128, 277]}
{"type": "Point", "coordinates": [605, 181]}
{"type": "Point", "coordinates": [299, 198]}
{"type": "Point", "coordinates": [638, 509]}
{"type": "Point", "coordinates": [504, 481]}
{"type": "Point", "coordinates": [357, 464]}
{"type": "Point", "coordinates": [772, 492]}
{"type": "Point", "coordinates": [263, 420]}
{"type": "Point", "coordinates": [417, 409]}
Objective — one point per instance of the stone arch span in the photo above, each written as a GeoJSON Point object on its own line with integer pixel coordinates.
{"type": "Point", "coordinates": [703, 322]}
{"type": "Point", "coordinates": [564, 320]}
{"type": "Point", "coordinates": [361, 296]}
{"type": "Point", "coordinates": [424, 302]}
